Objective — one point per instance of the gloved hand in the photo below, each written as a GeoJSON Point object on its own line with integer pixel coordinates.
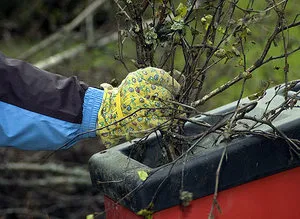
{"type": "Point", "coordinates": [137, 106]}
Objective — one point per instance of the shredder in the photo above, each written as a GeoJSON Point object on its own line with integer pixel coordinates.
{"type": "Point", "coordinates": [259, 176]}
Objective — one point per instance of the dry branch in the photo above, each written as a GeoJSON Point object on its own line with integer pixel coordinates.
{"type": "Point", "coordinates": [25, 211]}
{"type": "Point", "coordinates": [90, 31]}
{"type": "Point", "coordinates": [64, 30]}
{"type": "Point", "coordinates": [62, 181]}
{"type": "Point", "coordinates": [71, 53]}
{"type": "Point", "coordinates": [47, 168]}
{"type": "Point", "coordinates": [60, 57]}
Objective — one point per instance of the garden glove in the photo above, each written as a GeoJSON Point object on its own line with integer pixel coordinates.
{"type": "Point", "coordinates": [137, 106]}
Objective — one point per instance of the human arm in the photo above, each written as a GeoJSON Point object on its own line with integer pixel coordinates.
{"type": "Point", "coordinates": [40, 110]}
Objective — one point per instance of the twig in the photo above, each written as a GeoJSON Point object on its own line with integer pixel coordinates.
{"type": "Point", "coordinates": [223, 87]}
{"type": "Point", "coordinates": [122, 10]}
{"type": "Point", "coordinates": [261, 11]}
{"type": "Point", "coordinates": [271, 58]}
{"type": "Point", "coordinates": [259, 62]}
{"type": "Point", "coordinates": [283, 135]}
{"type": "Point", "coordinates": [215, 201]}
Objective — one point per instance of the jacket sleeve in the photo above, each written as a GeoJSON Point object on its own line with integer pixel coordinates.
{"type": "Point", "coordinates": [40, 110]}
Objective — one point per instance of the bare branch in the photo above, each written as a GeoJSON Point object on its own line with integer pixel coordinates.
{"type": "Point", "coordinates": [259, 62]}
{"type": "Point", "coordinates": [52, 181]}
{"type": "Point", "coordinates": [271, 58]}
{"type": "Point", "coordinates": [73, 52]}
{"type": "Point", "coordinates": [64, 30]}
{"type": "Point", "coordinates": [25, 211]}
{"type": "Point", "coordinates": [48, 167]}
{"type": "Point", "coordinates": [223, 87]}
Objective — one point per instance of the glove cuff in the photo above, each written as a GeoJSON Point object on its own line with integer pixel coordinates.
{"type": "Point", "coordinates": [91, 105]}
{"type": "Point", "coordinates": [106, 106]}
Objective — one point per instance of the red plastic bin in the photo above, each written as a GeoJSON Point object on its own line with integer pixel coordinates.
{"type": "Point", "coordinates": [276, 197]}
{"type": "Point", "coordinates": [259, 179]}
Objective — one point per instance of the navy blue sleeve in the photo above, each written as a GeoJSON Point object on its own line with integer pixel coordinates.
{"type": "Point", "coordinates": [44, 111]}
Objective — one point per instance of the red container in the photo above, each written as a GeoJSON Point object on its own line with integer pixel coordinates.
{"type": "Point", "coordinates": [276, 197]}
{"type": "Point", "coordinates": [259, 179]}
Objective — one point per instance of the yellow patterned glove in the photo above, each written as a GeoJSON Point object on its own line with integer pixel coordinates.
{"type": "Point", "coordinates": [137, 106]}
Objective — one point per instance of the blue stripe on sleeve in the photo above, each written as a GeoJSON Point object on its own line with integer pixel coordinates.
{"type": "Point", "coordinates": [28, 130]}
{"type": "Point", "coordinates": [91, 105]}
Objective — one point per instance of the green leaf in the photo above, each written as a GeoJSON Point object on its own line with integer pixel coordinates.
{"type": "Point", "coordinates": [186, 197]}
{"type": "Point", "coordinates": [235, 51]}
{"type": "Point", "coordinates": [221, 29]}
{"type": "Point", "coordinates": [150, 36]}
{"type": "Point", "coordinates": [209, 42]}
{"type": "Point", "coordinates": [142, 174]}
{"type": "Point", "coordinates": [90, 216]}
{"type": "Point", "coordinates": [220, 53]}
{"type": "Point", "coordinates": [209, 18]}
{"type": "Point", "coordinates": [177, 25]}
{"type": "Point", "coordinates": [146, 213]}
{"type": "Point", "coordinates": [206, 20]}
{"type": "Point", "coordinates": [241, 62]}
{"type": "Point", "coordinates": [180, 12]}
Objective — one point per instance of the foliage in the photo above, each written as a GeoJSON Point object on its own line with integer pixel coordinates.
{"type": "Point", "coordinates": [209, 39]}
{"type": "Point", "coordinates": [143, 175]}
